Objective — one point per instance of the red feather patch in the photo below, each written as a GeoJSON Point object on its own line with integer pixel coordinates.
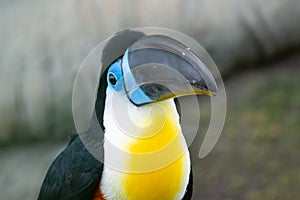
{"type": "Point", "coordinates": [98, 195]}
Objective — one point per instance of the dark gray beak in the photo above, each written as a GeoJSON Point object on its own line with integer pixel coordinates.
{"type": "Point", "coordinates": [157, 68]}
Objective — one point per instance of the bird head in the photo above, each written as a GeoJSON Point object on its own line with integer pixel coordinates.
{"type": "Point", "coordinates": [157, 68]}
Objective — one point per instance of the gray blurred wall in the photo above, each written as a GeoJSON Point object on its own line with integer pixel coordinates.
{"type": "Point", "coordinates": [44, 42]}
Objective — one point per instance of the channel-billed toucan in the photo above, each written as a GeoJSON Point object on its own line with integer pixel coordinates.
{"type": "Point", "coordinates": [144, 74]}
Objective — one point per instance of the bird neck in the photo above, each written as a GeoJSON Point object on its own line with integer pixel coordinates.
{"type": "Point", "coordinates": [142, 129]}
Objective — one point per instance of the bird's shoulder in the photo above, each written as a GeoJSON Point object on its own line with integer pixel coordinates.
{"type": "Point", "coordinates": [74, 174]}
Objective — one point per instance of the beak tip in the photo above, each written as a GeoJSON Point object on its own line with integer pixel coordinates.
{"type": "Point", "coordinates": [212, 88]}
{"type": "Point", "coordinates": [215, 89]}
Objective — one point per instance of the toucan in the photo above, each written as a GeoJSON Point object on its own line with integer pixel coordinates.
{"type": "Point", "coordinates": [136, 108]}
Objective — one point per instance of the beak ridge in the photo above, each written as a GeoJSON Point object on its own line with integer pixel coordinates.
{"type": "Point", "coordinates": [161, 68]}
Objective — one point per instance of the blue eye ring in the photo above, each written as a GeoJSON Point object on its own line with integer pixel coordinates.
{"type": "Point", "coordinates": [114, 75]}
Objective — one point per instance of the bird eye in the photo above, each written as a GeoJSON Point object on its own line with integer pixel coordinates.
{"type": "Point", "coordinates": [112, 79]}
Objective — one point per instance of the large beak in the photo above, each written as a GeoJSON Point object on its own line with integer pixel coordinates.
{"type": "Point", "coordinates": [157, 68]}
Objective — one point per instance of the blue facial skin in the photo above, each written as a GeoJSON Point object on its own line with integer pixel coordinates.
{"type": "Point", "coordinates": [115, 71]}
{"type": "Point", "coordinates": [137, 97]}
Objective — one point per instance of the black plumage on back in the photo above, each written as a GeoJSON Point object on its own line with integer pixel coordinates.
{"type": "Point", "coordinates": [74, 174]}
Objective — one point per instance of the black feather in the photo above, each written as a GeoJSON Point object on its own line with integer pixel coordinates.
{"type": "Point", "coordinates": [74, 174]}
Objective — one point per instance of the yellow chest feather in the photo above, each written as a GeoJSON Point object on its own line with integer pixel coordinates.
{"type": "Point", "coordinates": [159, 166]}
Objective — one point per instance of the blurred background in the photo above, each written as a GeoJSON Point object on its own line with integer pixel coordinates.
{"type": "Point", "coordinates": [255, 44]}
